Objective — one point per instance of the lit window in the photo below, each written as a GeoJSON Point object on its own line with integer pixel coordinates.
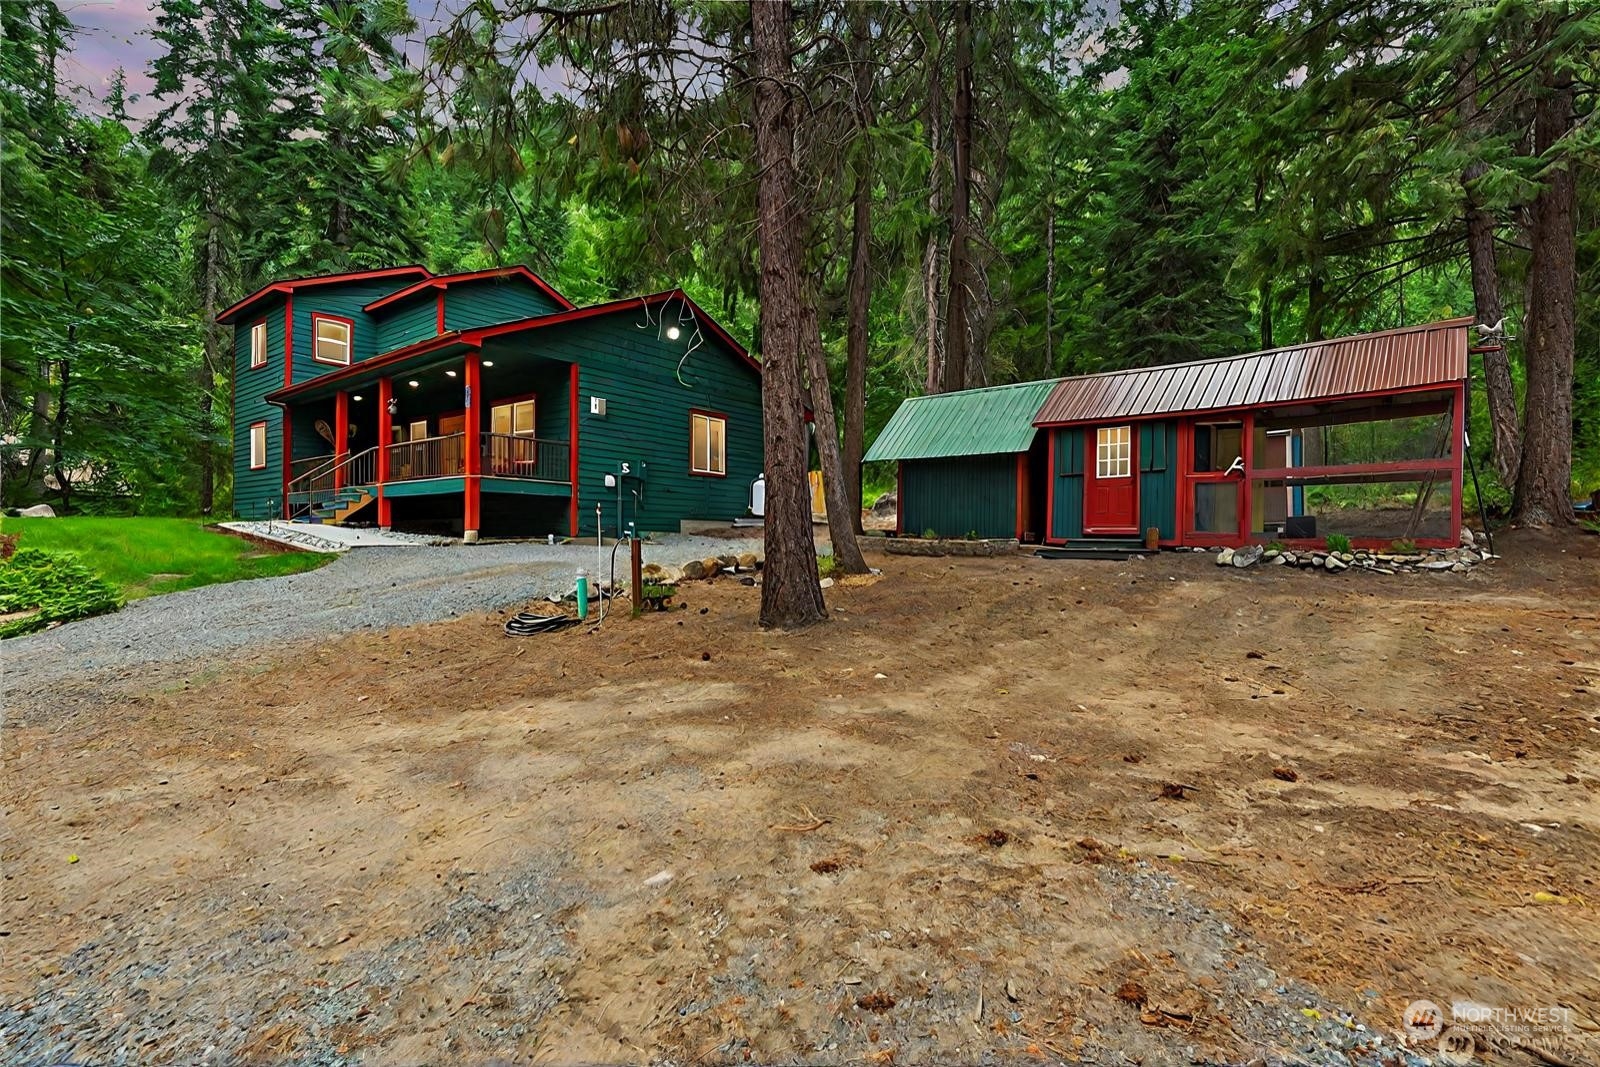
{"type": "Point", "coordinates": [708, 435]}
{"type": "Point", "coordinates": [258, 345]}
{"type": "Point", "coordinates": [258, 445]}
{"type": "Point", "coordinates": [1113, 452]}
{"type": "Point", "coordinates": [332, 340]}
{"type": "Point", "coordinates": [515, 418]}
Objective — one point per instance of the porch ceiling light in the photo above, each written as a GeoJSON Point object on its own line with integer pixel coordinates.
{"type": "Point", "coordinates": [356, 397]}
{"type": "Point", "coordinates": [672, 333]}
{"type": "Point", "coordinates": [488, 363]}
{"type": "Point", "coordinates": [450, 374]}
{"type": "Point", "coordinates": [413, 383]}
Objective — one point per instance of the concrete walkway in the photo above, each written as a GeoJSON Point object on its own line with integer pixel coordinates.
{"type": "Point", "coordinates": [314, 537]}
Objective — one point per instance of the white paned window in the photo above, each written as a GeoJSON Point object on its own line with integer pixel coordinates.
{"type": "Point", "coordinates": [332, 340]}
{"type": "Point", "coordinates": [515, 418]}
{"type": "Point", "coordinates": [258, 445]}
{"type": "Point", "coordinates": [1113, 452]}
{"type": "Point", "coordinates": [258, 345]}
{"type": "Point", "coordinates": [708, 438]}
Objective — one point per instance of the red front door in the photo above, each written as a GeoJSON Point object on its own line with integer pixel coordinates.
{"type": "Point", "coordinates": [1110, 486]}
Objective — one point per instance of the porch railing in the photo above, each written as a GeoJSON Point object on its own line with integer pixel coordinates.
{"type": "Point", "coordinates": [318, 484]}
{"type": "Point", "coordinates": [428, 457]}
{"type": "Point", "coordinates": [510, 456]}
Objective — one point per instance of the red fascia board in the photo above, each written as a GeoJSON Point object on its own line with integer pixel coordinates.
{"type": "Point", "coordinates": [289, 285]}
{"type": "Point", "coordinates": [444, 281]}
{"type": "Point", "coordinates": [479, 334]}
{"type": "Point", "coordinates": [1253, 409]}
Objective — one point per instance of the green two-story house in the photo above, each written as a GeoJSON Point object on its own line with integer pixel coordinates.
{"type": "Point", "coordinates": [486, 403]}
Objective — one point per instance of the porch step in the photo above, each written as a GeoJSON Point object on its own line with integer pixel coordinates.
{"type": "Point", "coordinates": [1093, 548]}
{"type": "Point", "coordinates": [343, 504]}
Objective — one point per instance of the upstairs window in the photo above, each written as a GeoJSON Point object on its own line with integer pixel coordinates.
{"type": "Point", "coordinates": [331, 339]}
{"type": "Point", "coordinates": [258, 345]}
{"type": "Point", "coordinates": [708, 437]}
{"type": "Point", "coordinates": [258, 445]}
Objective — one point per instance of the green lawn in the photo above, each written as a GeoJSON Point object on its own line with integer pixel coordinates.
{"type": "Point", "coordinates": [143, 557]}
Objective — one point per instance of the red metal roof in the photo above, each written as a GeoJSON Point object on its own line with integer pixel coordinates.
{"type": "Point", "coordinates": [443, 281]}
{"type": "Point", "coordinates": [288, 285]}
{"type": "Point", "coordinates": [1407, 358]}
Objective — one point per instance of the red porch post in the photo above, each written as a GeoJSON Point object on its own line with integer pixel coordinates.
{"type": "Point", "coordinates": [341, 435]}
{"type": "Point", "coordinates": [473, 447]}
{"type": "Point", "coordinates": [1458, 455]}
{"type": "Point", "coordinates": [572, 451]}
{"type": "Point", "coordinates": [385, 436]}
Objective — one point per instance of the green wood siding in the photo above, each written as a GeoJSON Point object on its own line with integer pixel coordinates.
{"type": "Point", "coordinates": [486, 301]}
{"type": "Point", "coordinates": [345, 301]}
{"type": "Point", "coordinates": [1158, 477]}
{"type": "Point", "coordinates": [408, 322]}
{"type": "Point", "coordinates": [258, 493]}
{"type": "Point", "coordinates": [647, 419]}
{"type": "Point", "coordinates": [1066, 516]}
{"type": "Point", "coordinates": [960, 495]}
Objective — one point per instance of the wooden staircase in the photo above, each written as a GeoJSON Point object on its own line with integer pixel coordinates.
{"type": "Point", "coordinates": [336, 510]}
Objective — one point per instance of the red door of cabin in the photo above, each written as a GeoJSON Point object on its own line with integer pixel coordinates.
{"type": "Point", "coordinates": [1110, 486]}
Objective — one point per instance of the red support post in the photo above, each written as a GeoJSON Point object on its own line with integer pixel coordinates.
{"type": "Point", "coordinates": [385, 436]}
{"type": "Point", "coordinates": [341, 435]}
{"type": "Point", "coordinates": [572, 451]}
{"type": "Point", "coordinates": [1458, 455]}
{"type": "Point", "coordinates": [472, 446]}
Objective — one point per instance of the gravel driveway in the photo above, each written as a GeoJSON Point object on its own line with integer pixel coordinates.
{"type": "Point", "coordinates": [372, 588]}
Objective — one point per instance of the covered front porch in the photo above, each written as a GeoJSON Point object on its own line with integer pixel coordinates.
{"type": "Point", "coordinates": [437, 441]}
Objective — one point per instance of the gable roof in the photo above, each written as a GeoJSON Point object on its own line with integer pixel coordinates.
{"type": "Point", "coordinates": [474, 337]}
{"type": "Point", "coordinates": [289, 285]}
{"type": "Point", "coordinates": [971, 422]}
{"type": "Point", "coordinates": [444, 281]}
{"type": "Point", "coordinates": [1410, 357]}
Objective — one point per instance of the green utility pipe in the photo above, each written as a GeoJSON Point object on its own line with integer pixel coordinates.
{"type": "Point", "coordinates": [583, 594]}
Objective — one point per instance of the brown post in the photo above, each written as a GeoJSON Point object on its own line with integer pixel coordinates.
{"type": "Point", "coordinates": [638, 582]}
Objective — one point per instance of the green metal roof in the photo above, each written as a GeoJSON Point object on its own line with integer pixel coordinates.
{"type": "Point", "coordinates": [972, 422]}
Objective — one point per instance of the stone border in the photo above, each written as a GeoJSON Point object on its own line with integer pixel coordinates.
{"type": "Point", "coordinates": [939, 546]}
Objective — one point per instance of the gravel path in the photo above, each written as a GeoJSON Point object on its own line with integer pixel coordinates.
{"type": "Point", "coordinates": [369, 588]}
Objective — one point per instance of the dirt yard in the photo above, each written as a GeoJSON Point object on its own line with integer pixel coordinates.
{"type": "Point", "coordinates": [996, 811]}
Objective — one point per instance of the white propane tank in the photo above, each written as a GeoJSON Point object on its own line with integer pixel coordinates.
{"type": "Point", "coordinates": [758, 496]}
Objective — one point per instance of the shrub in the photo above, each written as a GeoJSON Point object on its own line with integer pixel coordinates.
{"type": "Point", "coordinates": [930, 534]}
{"type": "Point", "coordinates": [1338, 543]}
{"type": "Point", "coordinates": [827, 566]}
{"type": "Point", "coordinates": [55, 586]}
{"type": "Point", "coordinates": [1275, 546]}
{"type": "Point", "coordinates": [1403, 547]}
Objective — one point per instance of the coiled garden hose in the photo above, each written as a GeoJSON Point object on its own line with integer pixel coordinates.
{"type": "Point", "coordinates": [527, 624]}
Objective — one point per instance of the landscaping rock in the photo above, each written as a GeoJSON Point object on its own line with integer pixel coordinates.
{"type": "Point", "coordinates": [749, 561]}
{"type": "Point", "coordinates": [908, 546]}
{"type": "Point", "coordinates": [886, 504]}
{"type": "Point", "coordinates": [1334, 563]}
{"type": "Point", "coordinates": [1467, 536]}
{"type": "Point", "coordinates": [1247, 556]}
{"type": "Point", "coordinates": [1225, 557]}
{"type": "Point", "coordinates": [37, 511]}
{"type": "Point", "coordinates": [694, 570]}
{"type": "Point", "coordinates": [826, 583]}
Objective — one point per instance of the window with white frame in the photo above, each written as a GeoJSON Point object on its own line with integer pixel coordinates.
{"type": "Point", "coordinates": [708, 437]}
{"type": "Point", "coordinates": [1113, 452]}
{"type": "Point", "coordinates": [258, 445]}
{"type": "Point", "coordinates": [331, 339]}
{"type": "Point", "coordinates": [515, 418]}
{"type": "Point", "coordinates": [258, 345]}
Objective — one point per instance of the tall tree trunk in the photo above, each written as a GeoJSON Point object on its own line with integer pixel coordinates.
{"type": "Point", "coordinates": [933, 250]}
{"type": "Point", "coordinates": [835, 494]}
{"type": "Point", "coordinates": [1498, 387]}
{"type": "Point", "coordinates": [211, 283]}
{"type": "Point", "coordinates": [859, 301]}
{"type": "Point", "coordinates": [1264, 288]}
{"type": "Point", "coordinates": [62, 473]}
{"type": "Point", "coordinates": [956, 328]}
{"type": "Point", "coordinates": [791, 596]}
{"type": "Point", "coordinates": [1544, 479]}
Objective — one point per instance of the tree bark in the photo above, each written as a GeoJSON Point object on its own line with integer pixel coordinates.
{"type": "Point", "coordinates": [956, 326]}
{"type": "Point", "coordinates": [859, 301]}
{"type": "Point", "coordinates": [835, 494]}
{"type": "Point", "coordinates": [791, 596]}
{"type": "Point", "coordinates": [933, 250]}
{"type": "Point", "coordinates": [1499, 389]}
{"type": "Point", "coordinates": [1544, 478]}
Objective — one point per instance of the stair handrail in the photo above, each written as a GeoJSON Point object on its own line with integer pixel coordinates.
{"type": "Point", "coordinates": [333, 466]}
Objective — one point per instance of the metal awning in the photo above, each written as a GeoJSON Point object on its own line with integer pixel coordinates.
{"type": "Point", "coordinates": [971, 422]}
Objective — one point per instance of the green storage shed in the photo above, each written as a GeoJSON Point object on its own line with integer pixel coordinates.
{"type": "Point", "coordinates": [969, 462]}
